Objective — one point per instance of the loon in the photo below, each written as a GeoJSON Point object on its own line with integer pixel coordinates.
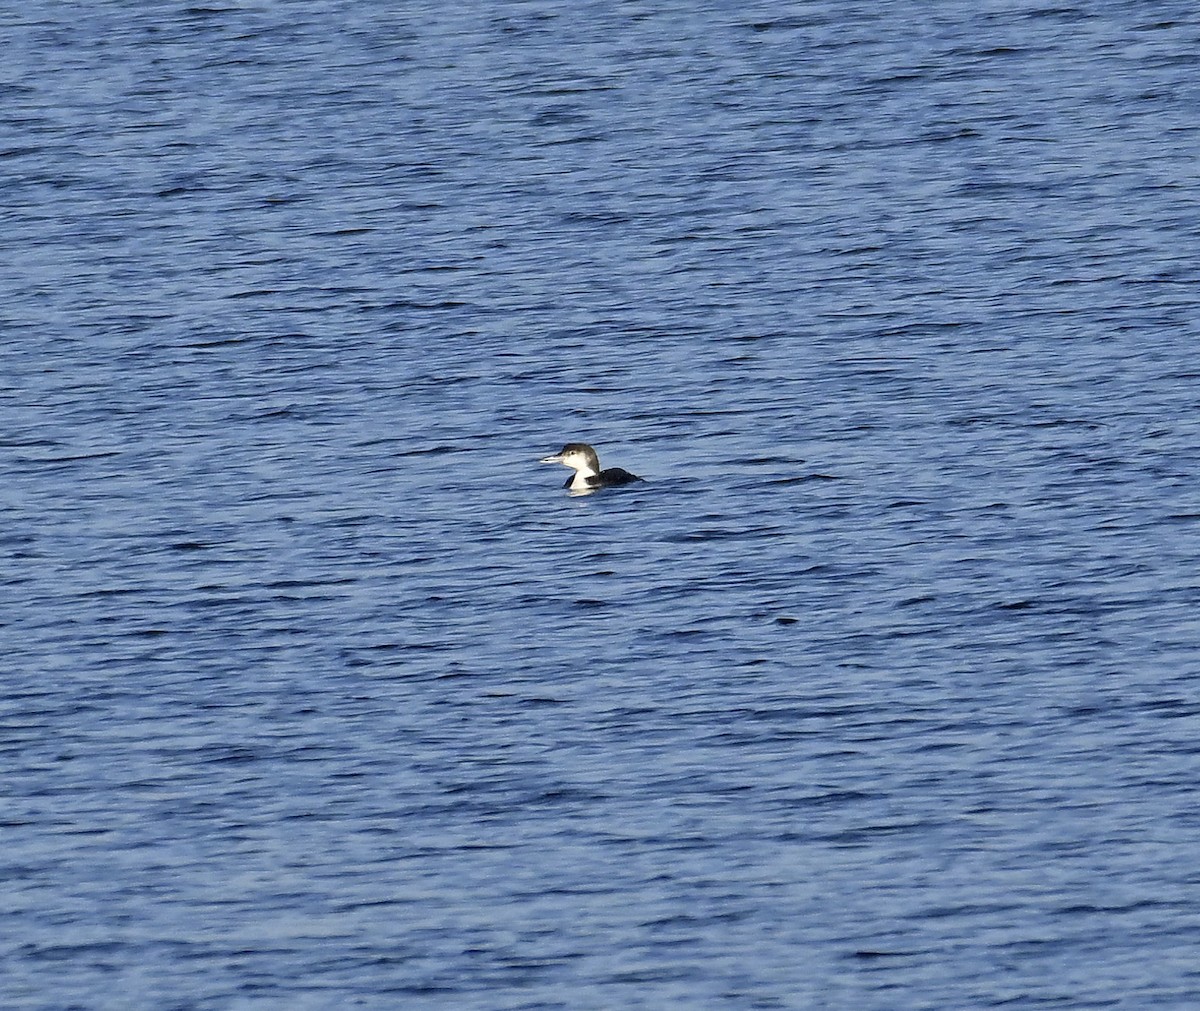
{"type": "Point", "coordinates": [582, 459]}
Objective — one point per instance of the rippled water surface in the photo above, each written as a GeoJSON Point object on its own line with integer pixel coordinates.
{"type": "Point", "coordinates": [319, 692]}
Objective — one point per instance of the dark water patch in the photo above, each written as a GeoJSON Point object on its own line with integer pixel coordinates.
{"type": "Point", "coordinates": [803, 479]}
{"type": "Point", "coordinates": [51, 461]}
{"type": "Point", "coordinates": [871, 955]}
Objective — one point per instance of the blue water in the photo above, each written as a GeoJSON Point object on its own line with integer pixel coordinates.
{"type": "Point", "coordinates": [319, 692]}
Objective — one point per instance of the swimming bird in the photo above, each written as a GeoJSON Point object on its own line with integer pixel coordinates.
{"type": "Point", "coordinates": [588, 476]}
